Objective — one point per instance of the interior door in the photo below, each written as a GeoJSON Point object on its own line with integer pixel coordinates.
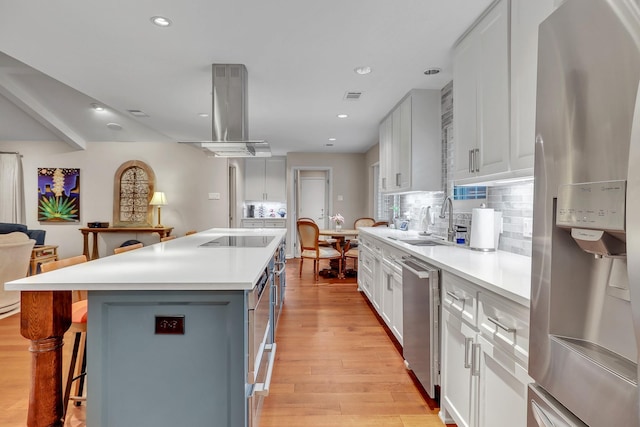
{"type": "Point", "coordinates": [313, 197]}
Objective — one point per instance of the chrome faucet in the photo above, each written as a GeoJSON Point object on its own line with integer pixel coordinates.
{"type": "Point", "coordinates": [451, 233]}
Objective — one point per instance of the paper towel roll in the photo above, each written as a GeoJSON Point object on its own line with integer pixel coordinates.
{"type": "Point", "coordinates": [482, 229]}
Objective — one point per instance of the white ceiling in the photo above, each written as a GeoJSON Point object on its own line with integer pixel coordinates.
{"type": "Point", "coordinates": [300, 56]}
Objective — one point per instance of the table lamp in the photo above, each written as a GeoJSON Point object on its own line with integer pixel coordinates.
{"type": "Point", "coordinates": [159, 200]}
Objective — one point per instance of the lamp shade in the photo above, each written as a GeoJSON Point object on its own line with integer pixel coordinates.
{"type": "Point", "coordinates": [158, 199]}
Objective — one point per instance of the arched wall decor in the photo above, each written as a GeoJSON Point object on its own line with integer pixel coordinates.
{"type": "Point", "coordinates": [133, 186]}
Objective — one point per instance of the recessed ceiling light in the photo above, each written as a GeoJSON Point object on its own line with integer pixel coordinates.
{"type": "Point", "coordinates": [432, 71]}
{"type": "Point", "coordinates": [114, 126]}
{"type": "Point", "coordinates": [97, 107]}
{"type": "Point", "coordinates": [364, 70]}
{"type": "Point", "coordinates": [342, 116]}
{"type": "Point", "coordinates": [203, 114]}
{"type": "Point", "coordinates": [332, 139]}
{"type": "Point", "coordinates": [161, 21]}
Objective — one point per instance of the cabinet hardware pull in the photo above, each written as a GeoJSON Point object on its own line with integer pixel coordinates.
{"type": "Point", "coordinates": [476, 159]}
{"type": "Point", "coordinates": [384, 183]}
{"type": "Point", "coordinates": [262, 389]}
{"type": "Point", "coordinates": [475, 360]}
{"type": "Point", "coordinates": [398, 179]}
{"type": "Point", "coordinates": [467, 363]}
{"type": "Point", "coordinates": [454, 296]}
{"type": "Point", "coordinates": [470, 160]}
{"type": "Point", "coordinates": [501, 325]}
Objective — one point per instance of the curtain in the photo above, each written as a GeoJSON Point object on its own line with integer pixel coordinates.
{"type": "Point", "coordinates": [12, 207]}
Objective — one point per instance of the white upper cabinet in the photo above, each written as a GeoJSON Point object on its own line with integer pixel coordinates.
{"type": "Point", "coordinates": [494, 91]}
{"type": "Point", "coordinates": [526, 16]}
{"type": "Point", "coordinates": [410, 144]}
{"type": "Point", "coordinates": [265, 179]}
{"type": "Point", "coordinates": [481, 97]}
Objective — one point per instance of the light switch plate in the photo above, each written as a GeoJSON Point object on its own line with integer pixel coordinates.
{"type": "Point", "coordinates": [214, 196]}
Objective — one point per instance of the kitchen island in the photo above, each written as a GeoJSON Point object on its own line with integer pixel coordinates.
{"type": "Point", "coordinates": [169, 331]}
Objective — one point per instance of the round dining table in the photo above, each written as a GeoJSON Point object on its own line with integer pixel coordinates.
{"type": "Point", "coordinates": [339, 236]}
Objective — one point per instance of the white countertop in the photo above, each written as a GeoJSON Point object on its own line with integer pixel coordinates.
{"type": "Point", "coordinates": [179, 264]}
{"type": "Point", "coordinates": [504, 273]}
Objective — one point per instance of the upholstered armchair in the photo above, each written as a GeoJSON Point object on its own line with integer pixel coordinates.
{"type": "Point", "coordinates": [15, 253]}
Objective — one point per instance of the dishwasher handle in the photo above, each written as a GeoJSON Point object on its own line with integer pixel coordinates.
{"type": "Point", "coordinates": [417, 268]}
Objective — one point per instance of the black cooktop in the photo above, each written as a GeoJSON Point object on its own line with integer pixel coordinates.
{"type": "Point", "coordinates": [239, 242]}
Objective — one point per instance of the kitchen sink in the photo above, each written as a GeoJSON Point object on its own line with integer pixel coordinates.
{"type": "Point", "coordinates": [422, 242]}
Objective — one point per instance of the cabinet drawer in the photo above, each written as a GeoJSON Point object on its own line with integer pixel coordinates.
{"type": "Point", "coordinates": [506, 325]}
{"type": "Point", "coordinates": [275, 223]}
{"type": "Point", "coordinates": [365, 260]}
{"type": "Point", "coordinates": [365, 282]}
{"type": "Point", "coordinates": [460, 298]}
{"type": "Point", "coordinates": [252, 223]}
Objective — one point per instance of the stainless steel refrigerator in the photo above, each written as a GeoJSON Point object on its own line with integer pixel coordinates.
{"type": "Point", "coordinates": [585, 293]}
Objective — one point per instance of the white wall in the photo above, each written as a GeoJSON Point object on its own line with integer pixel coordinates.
{"type": "Point", "coordinates": [185, 174]}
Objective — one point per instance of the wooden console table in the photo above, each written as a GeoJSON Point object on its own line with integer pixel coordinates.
{"type": "Point", "coordinates": [162, 231]}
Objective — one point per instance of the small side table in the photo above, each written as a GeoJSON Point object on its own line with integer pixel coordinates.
{"type": "Point", "coordinates": [41, 254]}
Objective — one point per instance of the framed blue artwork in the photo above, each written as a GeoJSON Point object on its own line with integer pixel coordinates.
{"type": "Point", "coordinates": [58, 195]}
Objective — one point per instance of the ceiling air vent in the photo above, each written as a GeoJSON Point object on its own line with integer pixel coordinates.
{"type": "Point", "coordinates": [138, 113]}
{"type": "Point", "coordinates": [352, 96]}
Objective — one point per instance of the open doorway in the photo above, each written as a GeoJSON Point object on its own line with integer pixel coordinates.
{"type": "Point", "coordinates": [311, 198]}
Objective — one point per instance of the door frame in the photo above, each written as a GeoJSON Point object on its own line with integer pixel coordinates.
{"type": "Point", "coordinates": [293, 213]}
{"type": "Point", "coordinates": [232, 215]}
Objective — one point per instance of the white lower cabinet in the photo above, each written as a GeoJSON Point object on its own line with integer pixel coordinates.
{"type": "Point", "coordinates": [458, 373]}
{"type": "Point", "coordinates": [384, 288]}
{"type": "Point", "coordinates": [365, 270]}
{"type": "Point", "coordinates": [484, 357]}
{"type": "Point", "coordinates": [387, 292]}
{"type": "Point", "coordinates": [264, 223]}
{"type": "Point", "coordinates": [392, 295]}
{"type": "Point", "coordinates": [397, 319]}
{"type": "Point", "coordinates": [377, 282]}
{"type": "Point", "coordinates": [502, 391]}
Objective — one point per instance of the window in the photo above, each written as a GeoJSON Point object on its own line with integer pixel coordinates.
{"type": "Point", "coordinates": [133, 186]}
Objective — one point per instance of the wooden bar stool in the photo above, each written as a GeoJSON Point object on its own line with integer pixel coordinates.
{"type": "Point", "coordinates": [127, 248]}
{"type": "Point", "coordinates": [79, 328]}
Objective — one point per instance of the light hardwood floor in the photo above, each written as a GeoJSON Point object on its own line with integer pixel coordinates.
{"type": "Point", "coordinates": [336, 365]}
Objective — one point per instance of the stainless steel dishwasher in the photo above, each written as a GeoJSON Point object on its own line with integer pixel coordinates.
{"type": "Point", "coordinates": [421, 321]}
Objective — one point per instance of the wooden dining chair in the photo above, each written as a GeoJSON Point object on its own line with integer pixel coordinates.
{"type": "Point", "coordinates": [352, 244]}
{"type": "Point", "coordinates": [308, 234]}
{"type": "Point", "coordinates": [128, 248]}
{"type": "Point", "coordinates": [322, 240]}
{"type": "Point", "coordinates": [190, 232]}
{"type": "Point", "coordinates": [79, 312]}
{"type": "Point", "coordinates": [351, 252]}
{"type": "Point", "coordinates": [381, 224]}
{"type": "Point", "coordinates": [167, 238]}
{"type": "Point", "coordinates": [363, 222]}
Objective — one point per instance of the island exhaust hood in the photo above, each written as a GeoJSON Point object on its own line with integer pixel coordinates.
{"type": "Point", "coordinates": [229, 136]}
